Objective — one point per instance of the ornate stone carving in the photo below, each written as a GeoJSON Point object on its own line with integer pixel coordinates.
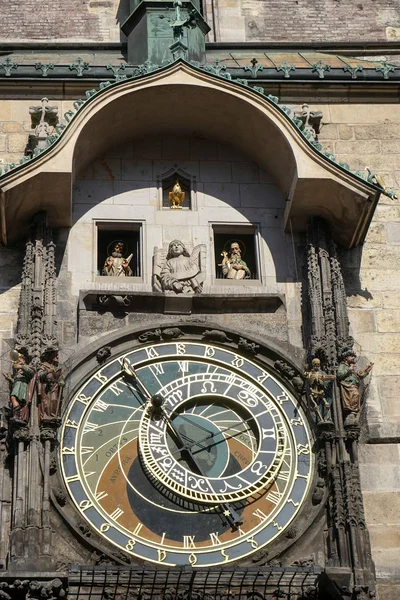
{"type": "Point", "coordinates": [60, 496]}
{"type": "Point", "coordinates": [44, 119]}
{"type": "Point", "coordinates": [290, 374]}
{"type": "Point", "coordinates": [311, 120]}
{"type": "Point", "coordinates": [246, 346]}
{"type": "Point", "coordinates": [103, 354]}
{"type": "Point", "coordinates": [214, 335]}
{"type": "Point", "coordinates": [24, 589]}
{"type": "Point", "coordinates": [177, 271]}
{"type": "Point", "coordinates": [147, 336]}
{"type": "Point", "coordinates": [37, 316]}
{"type": "Point", "coordinates": [172, 333]}
{"type": "Point", "coordinates": [319, 492]}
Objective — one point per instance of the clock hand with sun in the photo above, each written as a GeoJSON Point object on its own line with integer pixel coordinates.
{"type": "Point", "coordinates": [184, 443]}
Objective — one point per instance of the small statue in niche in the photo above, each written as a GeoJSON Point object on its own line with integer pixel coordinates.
{"type": "Point", "coordinates": [22, 381]}
{"type": "Point", "coordinates": [233, 267]}
{"type": "Point", "coordinates": [178, 271]}
{"type": "Point", "coordinates": [177, 196]}
{"type": "Point", "coordinates": [50, 387]}
{"type": "Point", "coordinates": [116, 265]}
{"type": "Point", "coordinates": [350, 381]}
{"type": "Point", "coordinates": [319, 384]}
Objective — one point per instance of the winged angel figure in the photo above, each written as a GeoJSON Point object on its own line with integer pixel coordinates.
{"type": "Point", "coordinates": [178, 271]}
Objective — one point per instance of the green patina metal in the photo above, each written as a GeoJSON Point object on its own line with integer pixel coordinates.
{"type": "Point", "coordinates": [285, 67]}
{"type": "Point", "coordinates": [218, 70]}
{"type": "Point", "coordinates": [8, 65]}
{"type": "Point", "coordinates": [385, 68]}
{"type": "Point", "coordinates": [158, 30]}
{"type": "Point", "coordinates": [80, 66]}
{"type": "Point", "coordinates": [44, 68]}
{"type": "Point", "coordinates": [321, 69]}
{"type": "Point", "coordinates": [353, 70]}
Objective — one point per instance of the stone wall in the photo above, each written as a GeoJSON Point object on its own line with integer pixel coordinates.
{"type": "Point", "coordinates": [76, 20]}
{"type": "Point", "coordinates": [237, 20]}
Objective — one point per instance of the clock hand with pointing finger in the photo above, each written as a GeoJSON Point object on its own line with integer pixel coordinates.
{"type": "Point", "coordinates": [184, 443]}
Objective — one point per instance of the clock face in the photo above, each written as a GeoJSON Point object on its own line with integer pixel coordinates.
{"type": "Point", "coordinates": [186, 454]}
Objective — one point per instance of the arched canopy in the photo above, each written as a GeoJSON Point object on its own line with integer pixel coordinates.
{"type": "Point", "coordinates": [183, 100]}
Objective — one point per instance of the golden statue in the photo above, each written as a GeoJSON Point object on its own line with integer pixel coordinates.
{"type": "Point", "coordinates": [177, 196]}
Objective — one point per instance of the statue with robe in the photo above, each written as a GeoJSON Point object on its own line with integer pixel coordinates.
{"type": "Point", "coordinates": [50, 387]}
{"type": "Point", "coordinates": [177, 270]}
{"type": "Point", "coordinates": [22, 381]}
{"type": "Point", "coordinates": [233, 267]}
{"type": "Point", "coordinates": [116, 265]}
{"type": "Point", "coordinates": [350, 382]}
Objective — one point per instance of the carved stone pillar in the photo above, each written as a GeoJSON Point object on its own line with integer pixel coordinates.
{"type": "Point", "coordinates": [350, 567]}
{"type": "Point", "coordinates": [30, 443]}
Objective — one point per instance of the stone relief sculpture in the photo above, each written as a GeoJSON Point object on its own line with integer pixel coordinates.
{"type": "Point", "coordinates": [116, 265]}
{"type": "Point", "coordinates": [177, 271]}
{"type": "Point", "coordinates": [233, 267]}
{"type": "Point", "coordinates": [350, 380]}
{"type": "Point", "coordinates": [319, 384]}
{"type": "Point", "coordinates": [50, 387]}
{"type": "Point", "coordinates": [21, 382]}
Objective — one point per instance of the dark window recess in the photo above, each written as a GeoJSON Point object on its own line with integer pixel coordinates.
{"type": "Point", "coordinates": [106, 239]}
{"type": "Point", "coordinates": [247, 244]}
{"type": "Point", "coordinates": [167, 187]}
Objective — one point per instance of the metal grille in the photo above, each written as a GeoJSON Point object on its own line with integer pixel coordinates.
{"type": "Point", "coordinates": [121, 583]}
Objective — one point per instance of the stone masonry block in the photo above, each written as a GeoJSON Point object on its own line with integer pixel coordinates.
{"type": "Point", "coordinates": [385, 364]}
{"type": "Point", "coordinates": [109, 169]}
{"type": "Point", "coordinates": [358, 147]}
{"type": "Point", "coordinates": [370, 301]}
{"type": "Point", "coordinates": [382, 507]}
{"type": "Point", "coordinates": [329, 131]}
{"type": "Point", "coordinates": [393, 233]}
{"type": "Point", "coordinates": [376, 234]}
{"type": "Point", "coordinates": [388, 320]}
{"type": "Point", "coordinates": [390, 131]}
{"type": "Point", "coordinates": [376, 280]}
{"type": "Point", "coordinates": [346, 132]}
{"type": "Point", "coordinates": [217, 171]}
{"type": "Point", "coordinates": [245, 172]}
{"type": "Point", "coordinates": [391, 300]}
{"type": "Point", "coordinates": [391, 147]}
{"type": "Point", "coordinates": [365, 114]}
{"type": "Point", "coordinates": [362, 321]}
{"type": "Point", "coordinates": [374, 258]}
{"type": "Point", "coordinates": [389, 393]}
{"type": "Point", "coordinates": [12, 127]}
{"type": "Point", "coordinates": [17, 142]}
{"type": "Point", "coordinates": [5, 110]}
{"type": "Point", "coordinates": [136, 170]}
{"type": "Point", "coordinates": [3, 139]}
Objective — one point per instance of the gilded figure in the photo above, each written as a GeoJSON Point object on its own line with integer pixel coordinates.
{"type": "Point", "coordinates": [116, 265]}
{"type": "Point", "coordinates": [177, 196]}
{"type": "Point", "coordinates": [319, 384]}
{"type": "Point", "coordinates": [350, 382]}
{"type": "Point", "coordinates": [233, 267]}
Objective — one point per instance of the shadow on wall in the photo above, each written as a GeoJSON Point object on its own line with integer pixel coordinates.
{"type": "Point", "coordinates": [123, 13]}
{"type": "Point", "coordinates": [228, 190]}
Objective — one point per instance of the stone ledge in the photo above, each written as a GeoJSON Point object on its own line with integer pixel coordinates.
{"type": "Point", "coordinates": [117, 300]}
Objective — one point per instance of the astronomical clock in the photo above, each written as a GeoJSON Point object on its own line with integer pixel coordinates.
{"type": "Point", "coordinates": [185, 452]}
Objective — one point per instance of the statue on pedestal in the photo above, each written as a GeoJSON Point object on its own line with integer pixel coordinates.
{"type": "Point", "coordinates": [116, 265]}
{"type": "Point", "coordinates": [233, 267]}
{"type": "Point", "coordinates": [22, 382]}
{"type": "Point", "coordinates": [178, 271]}
{"type": "Point", "coordinates": [350, 381]}
{"type": "Point", "coordinates": [50, 387]}
{"type": "Point", "coordinates": [319, 383]}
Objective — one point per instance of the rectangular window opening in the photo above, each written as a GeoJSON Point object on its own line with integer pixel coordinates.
{"type": "Point", "coordinates": [117, 243]}
{"type": "Point", "coordinates": [238, 243]}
